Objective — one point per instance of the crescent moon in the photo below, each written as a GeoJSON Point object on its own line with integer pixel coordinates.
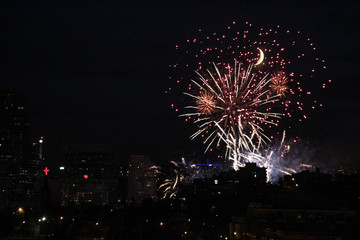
{"type": "Point", "coordinates": [261, 58]}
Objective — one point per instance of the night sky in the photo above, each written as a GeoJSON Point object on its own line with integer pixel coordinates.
{"type": "Point", "coordinates": [95, 72]}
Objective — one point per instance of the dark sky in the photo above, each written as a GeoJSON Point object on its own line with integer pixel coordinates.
{"type": "Point", "coordinates": [95, 71]}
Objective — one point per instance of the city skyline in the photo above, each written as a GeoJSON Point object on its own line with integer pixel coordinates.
{"type": "Point", "coordinates": [97, 73]}
{"type": "Point", "coordinates": [179, 120]}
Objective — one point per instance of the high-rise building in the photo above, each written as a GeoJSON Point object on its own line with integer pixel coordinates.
{"type": "Point", "coordinates": [142, 179]}
{"type": "Point", "coordinates": [38, 173]}
{"type": "Point", "coordinates": [13, 142]}
{"type": "Point", "coordinates": [36, 161]}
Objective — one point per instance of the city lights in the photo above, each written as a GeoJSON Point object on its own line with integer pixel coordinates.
{"type": "Point", "coordinates": [20, 210]}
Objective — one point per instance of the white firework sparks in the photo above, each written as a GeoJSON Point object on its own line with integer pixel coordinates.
{"type": "Point", "coordinates": [233, 107]}
{"type": "Point", "coordinates": [170, 185]}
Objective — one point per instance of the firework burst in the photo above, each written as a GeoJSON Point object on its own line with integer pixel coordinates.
{"type": "Point", "coordinates": [279, 83]}
{"type": "Point", "coordinates": [205, 103]}
{"type": "Point", "coordinates": [288, 54]}
{"type": "Point", "coordinates": [237, 102]}
{"type": "Point", "coordinates": [170, 186]}
{"type": "Point", "coordinates": [241, 105]}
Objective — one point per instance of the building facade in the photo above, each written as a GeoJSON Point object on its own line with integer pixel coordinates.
{"type": "Point", "coordinates": [13, 144]}
{"type": "Point", "coordinates": [90, 176]}
{"type": "Point", "coordinates": [142, 179]}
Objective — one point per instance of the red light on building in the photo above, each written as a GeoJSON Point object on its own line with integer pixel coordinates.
{"type": "Point", "coordinates": [46, 170]}
{"type": "Point", "coordinates": [86, 176]}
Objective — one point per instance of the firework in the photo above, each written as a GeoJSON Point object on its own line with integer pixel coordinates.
{"type": "Point", "coordinates": [279, 83]}
{"type": "Point", "coordinates": [237, 102]}
{"type": "Point", "coordinates": [242, 105]}
{"type": "Point", "coordinates": [278, 159]}
{"type": "Point", "coordinates": [206, 104]}
{"type": "Point", "coordinates": [170, 185]}
{"type": "Point", "coordinates": [290, 56]}
{"type": "Point", "coordinates": [270, 158]}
